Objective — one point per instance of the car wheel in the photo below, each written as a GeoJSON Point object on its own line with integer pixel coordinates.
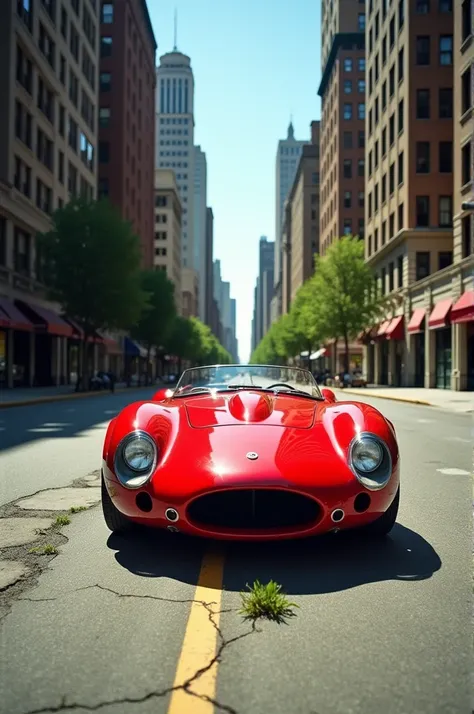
{"type": "Point", "coordinates": [115, 521]}
{"type": "Point", "coordinates": [384, 524]}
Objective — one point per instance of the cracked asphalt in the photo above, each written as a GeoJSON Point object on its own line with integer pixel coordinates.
{"type": "Point", "coordinates": [151, 624]}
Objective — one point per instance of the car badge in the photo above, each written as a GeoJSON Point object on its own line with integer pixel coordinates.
{"type": "Point", "coordinates": [252, 455]}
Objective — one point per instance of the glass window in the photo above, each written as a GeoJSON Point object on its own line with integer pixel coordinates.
{"type": "Point", "coordinates": [446, 50]}
{"type": "Point", "coordinates": [107, 13]}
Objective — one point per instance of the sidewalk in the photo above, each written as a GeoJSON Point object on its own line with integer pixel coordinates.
{"type": "Point", "coordinates": [37, 395]}
{"type": "Point", "coordinates": [460, 402]}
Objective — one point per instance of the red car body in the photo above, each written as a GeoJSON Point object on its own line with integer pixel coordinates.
{"type": "Point", "coordinates": [250, 465]}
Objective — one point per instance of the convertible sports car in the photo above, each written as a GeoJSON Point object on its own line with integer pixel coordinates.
{"type": "Point", "coordinates": [250, 452]}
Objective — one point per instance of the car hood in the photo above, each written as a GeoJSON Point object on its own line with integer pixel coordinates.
{"type": "Point", "coordinates": [251, 407]}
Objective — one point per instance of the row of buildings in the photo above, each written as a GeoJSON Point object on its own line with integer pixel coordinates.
{"type": "Point", "coordinates": [396, 163]}
{"type": "Point", "coordinates": [84, 110]}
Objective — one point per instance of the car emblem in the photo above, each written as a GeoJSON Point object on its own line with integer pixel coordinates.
{"type": "Point", "coordinates": [252, 455]}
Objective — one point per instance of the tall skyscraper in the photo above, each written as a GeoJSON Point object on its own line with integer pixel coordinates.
{"type": "Point", "coordinates": [265, 283]}
{"type": "Point", "coordinates": [209, 273]}
{"type": "Point", "coordinates": [287, 159]}
{"type": "Point", "coordinates": [175, 150]}
{"type": "Point", "coordinates": [127, 84]}
{"type": "Point", "coordinates": [342, 92]}
{"type": "Point", "coordinates": [200, 219]}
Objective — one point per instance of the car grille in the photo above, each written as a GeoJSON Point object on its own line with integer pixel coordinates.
{"type": "Point", "coordinates": [254, 509]}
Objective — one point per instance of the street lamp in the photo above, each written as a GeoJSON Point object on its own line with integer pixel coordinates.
{"type": "Point", "coordinates": [468, 206]}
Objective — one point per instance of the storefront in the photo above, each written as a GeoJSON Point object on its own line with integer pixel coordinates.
{"type": "Point", "coordinates": [439, 321]}
{"type": "Point", "coordinates": [416, 336]}
{"type": "Point", "coordinates": [15, 346]}
{"type": "Point", "coordinates": [462, 318]}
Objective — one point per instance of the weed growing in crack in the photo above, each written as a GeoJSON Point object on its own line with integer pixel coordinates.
{"type": "Point", "coordinates": [62, 520]}
{"type": "Point", "coordinates": [77, 509]}
{"type": "Point", "coordinates": [266, 601]}
{"type": "Point", "coordinates": [47, 549]}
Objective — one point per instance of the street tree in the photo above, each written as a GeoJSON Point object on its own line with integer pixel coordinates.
{"type": "Point", "coordinates": [157, 317]}
{"type": "Point", "coordinates": [91, 265]}
{"type": "Point", "coordinates": [341, 297]}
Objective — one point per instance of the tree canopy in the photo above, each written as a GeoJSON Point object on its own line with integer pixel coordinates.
{"type": "Point", "coordinates": [192, 340]}
{"type": "Point", "coordinates": [157, 317]}
{"type": "Point", "coordinates": [337, 302]}
{"type": "Point", "coordinates": [91, 263]}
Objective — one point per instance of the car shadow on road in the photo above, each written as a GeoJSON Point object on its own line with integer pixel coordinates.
{"type": "Point", "coordinates": [312, 566]}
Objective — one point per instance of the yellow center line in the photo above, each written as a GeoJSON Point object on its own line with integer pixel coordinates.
{"type": "Point", "coordinates": [200, 641]}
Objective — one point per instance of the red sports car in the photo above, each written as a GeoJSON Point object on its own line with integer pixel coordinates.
{"type": "Point", "coordinates": [250, 452]}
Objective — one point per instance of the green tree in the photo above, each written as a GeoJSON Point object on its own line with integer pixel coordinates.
{"type": "Point", "coordinates": [181, 340]}
{"type": "Point", "coordinates": [209, 350]}
{"type": "Point", "coordinates": [340, 296]}
{"type": "Point", "coordinates": [91, 263]}
{"type": "Point", "coordinates": [158, 316]}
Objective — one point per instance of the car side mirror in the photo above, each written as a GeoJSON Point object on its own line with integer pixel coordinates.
{"type": "Point", "coordinates": [162, 394]}
{"type": "Point", "coordinates": [328, 395]}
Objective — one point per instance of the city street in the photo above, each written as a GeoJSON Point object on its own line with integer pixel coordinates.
{"type": "Point", "coordinates": [151, 624]}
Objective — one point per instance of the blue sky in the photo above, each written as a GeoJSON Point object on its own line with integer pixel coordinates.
{"type": "Point", "coordinates": [255, 63]}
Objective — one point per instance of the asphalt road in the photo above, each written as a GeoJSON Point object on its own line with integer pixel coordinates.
{"type": "Point", "coordinates": [118, 622]}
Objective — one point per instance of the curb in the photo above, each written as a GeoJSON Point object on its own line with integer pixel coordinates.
{"type": "Point", "coordinates": [66, 397]}
{"type": "Point", "coordinates": [389, 398]}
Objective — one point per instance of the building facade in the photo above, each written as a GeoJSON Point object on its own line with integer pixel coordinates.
{"type": "Point", "coordinates": [264, 290]}
{"type": "Point", "coordinates": [127, 83]}
{"type": "Point", "coordinates": [208, 283]}
{"type": "Point", "coordinates": [175, 150]}
{"type": "Point", "coordinates": [167, 245]}
{"type": "Point", "coordinates": [287, 158]}
{"type": "Point", "coordinates": [301, 232]}
{"type": "Point", "coordinates": [342, 91]}
{"type": "Point", "coordinates": [200, 220]}
{"type": "Point", "coordinates": [418, 171]}
{"type": "Point", "coordinates": [48, 152]}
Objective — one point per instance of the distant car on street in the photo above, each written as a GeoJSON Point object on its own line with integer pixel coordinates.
{"type": "Point", "coordinates": [250, 452]}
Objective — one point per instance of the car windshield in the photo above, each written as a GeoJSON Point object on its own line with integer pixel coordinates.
{"type": "Point", "coordinates": [254, 376]}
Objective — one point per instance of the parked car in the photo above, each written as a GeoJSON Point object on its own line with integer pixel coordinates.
{"type": "Point", "coordinates": [250, 452]}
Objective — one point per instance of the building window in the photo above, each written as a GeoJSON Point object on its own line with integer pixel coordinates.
{"type": "Point", "coordinates": [105, 81]}
{"type": "Point", "coordinates": [445, 211]}
{"type": "Point", "coordinates": [361, 110]}
{"type": "Point", "coordinates": [347, 227]}
{"type": "Point", "coordinates": [361, 22]}
{"type": "Point", "coordinates": [348, 64]}
{"type": "Point", "coordinates": [422, 103]}
{"type": "Point", "coordinates": [72, 134]}
{"type": "Point", "coordinates": [361, 64]}
{"type": "Point", "coordinates": [422, 157]}
{"type": "Point", "coordinates": [104, 152]}
{"type": "Point", "coordinates": [347, 114]}
{"type": "Point", "coordinates": [107, 13]}
{"type": "Point", "coordinates": [467, 247]}
{"type": "Point", "coordinates": [72, 179]}
{"type": "Point", "coordinates": [361, 167]}
{"type": "Point", "coordinates": [466, 91]}
{"type": "Point", "coordinates": [347, 199]}
{"type": "Point", "coordinates": [422, 7]}
{"type": "Point", "coordinates": [401, 122]}
{"type": "Point", "coordinates": [360, 199]}
{"type": "Point", "coordinates": [400, 217]}
{"type": "Point", "coordinates": [347, 168]}
{"type": "Point", "coordinates": [104, 117]}
{"type": "Point", "coordinates": [466, 20]}
{"type": "Point", "coordinates": [466, 163]}
{"type": "Point", "coordinates": [361, 230]}
{"type": "Point", "coordinates": [423, 50]}
{"type": "Point", "coordinates": [361, 86]}
{"type": "Point", "coordinates": [400, 168]}
{"type": "Point", "coordinates": [422, 211]}
{"type": "Point", "coordinates": [103, 188]}
{"type": "Point", "coordinates": [446, 50]}
{"type": "Point", "coordinates": [445, 157]}
{"type": "Point", "coordinates": [445, 5]}
{"type": "Point", "coordinates": [446, 103]}
{"type": "Point", "coordinates": [361, 139]}
{"type": "Point", "coordinates": [400, 271]}
{"type": "Point", "coordinates": [315, 178]}
{"type": "Point", "coordinates": [422, 264]}
{"type": "Point", "coordinates": [61, 166]}
{"type": "Point", "coordinates": [105, 46]}
{"type": "Point", "coordinates": [160, 201]}
{"type": "Point", "coordinates": [347, 86]}
{"type": "Point", "coordinates": [401, 64]}
{"type": "Point", "coordinates": [347, 139]}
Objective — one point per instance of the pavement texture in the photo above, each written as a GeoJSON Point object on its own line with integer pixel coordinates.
{"type": "Point", "coordinates": [43, 395]}
{"type": "Point", "coordinates": [151, 623]}
{"type": "Point", "coordinates": [459, 402]}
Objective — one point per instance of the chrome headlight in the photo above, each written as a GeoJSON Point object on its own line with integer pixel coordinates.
{"type": "Point", "coordinates": [135, 459]}
{"type": "Point", "coordinates": [370, 461]}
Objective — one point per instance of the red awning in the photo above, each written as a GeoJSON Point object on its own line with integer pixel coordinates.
{"type": "Point", "coordinates": [12, 317]}
{"type": "Point", "coordinates": [46, 320]}
{"type": "Point", "coordinates": [440, 314]}
{"type": "Point", "coordinates": [463, 309]}
{"type": "Point", "coordinates": [112, 346]}
{"type": "Point", "coordinates": [383, 328]}
{"type": "Point", "coordinates": [367, 335]}
{"type": "Point", "coordinates": [395, 330]}
{"type": "Point", "coordinates": [416, 321]}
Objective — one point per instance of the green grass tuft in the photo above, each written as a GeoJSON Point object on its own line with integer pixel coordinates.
{"type": "Point", "coordinates": [47, 549]}
{"type": "Point", "coordinates": [77, 509]}
{"type": "Point", "coordinates": [62, 520]}
{"type": "Point", "coordinates": [266, 601]}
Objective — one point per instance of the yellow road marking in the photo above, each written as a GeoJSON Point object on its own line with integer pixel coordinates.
{"type": "Point", "coordinates": [200, 641]}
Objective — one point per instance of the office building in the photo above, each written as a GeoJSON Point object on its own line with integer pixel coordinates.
{"type": "Point", "coordinates": [200, 221]}
{"type": "Point", "coordinates": [127, 83]}
{"type": "Point", "coordinates": [167, 240]}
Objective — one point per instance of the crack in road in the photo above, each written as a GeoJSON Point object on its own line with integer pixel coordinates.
{"type": "Point", "coordinates": [64, 706]}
